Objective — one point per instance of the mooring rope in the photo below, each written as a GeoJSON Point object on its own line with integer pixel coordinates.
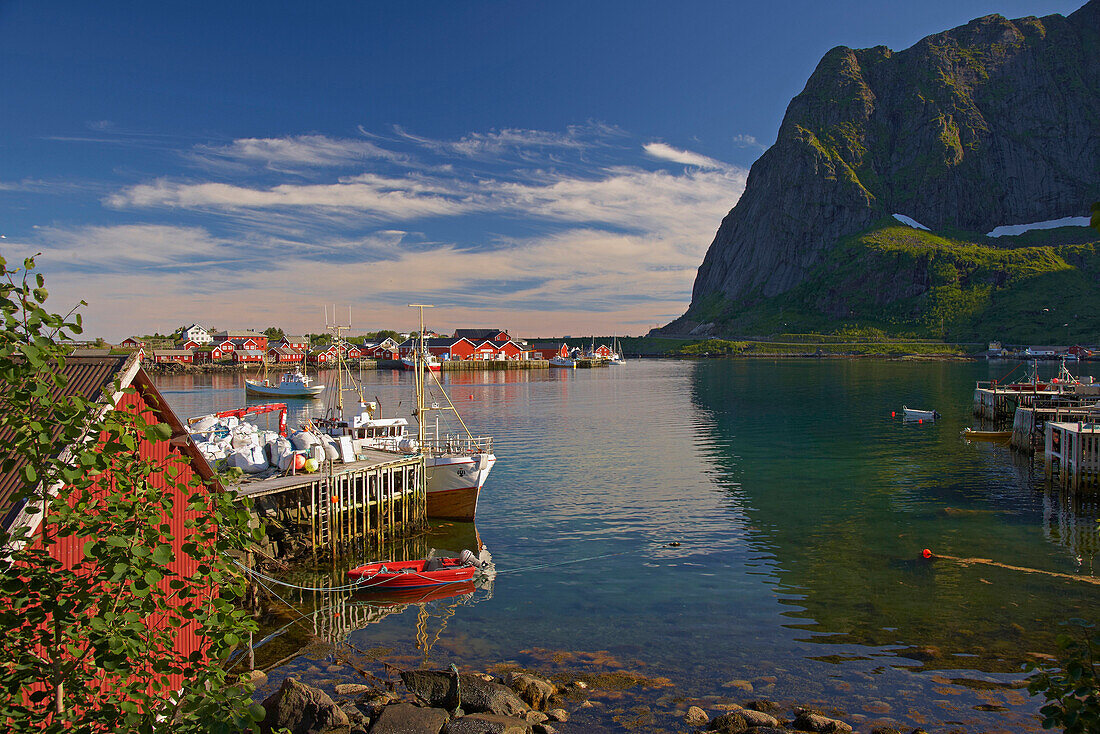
{"type": "Point", "coordinates": [996, 564]}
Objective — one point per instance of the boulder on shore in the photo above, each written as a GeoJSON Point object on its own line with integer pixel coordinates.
{"type": "Point", "coordinates": [303, 709]}
{"type": "Point", "coordinates": [487, 724]}
{"type": "Point", "coordinates": [437, 688]}
{"type": "Point", "coordinates": [405, 718]}
{"type": "Point", "coordinates": [535, 691]}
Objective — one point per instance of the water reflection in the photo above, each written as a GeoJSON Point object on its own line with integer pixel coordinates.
{"type": "Point", "coordinates": [845, 498]}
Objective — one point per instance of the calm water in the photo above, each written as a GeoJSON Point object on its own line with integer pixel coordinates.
{"type": "Point", "coordinates": [800, 507]}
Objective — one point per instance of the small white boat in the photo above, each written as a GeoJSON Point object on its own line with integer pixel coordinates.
{"type": "Point", "coordinates": [563, 362]}
{"type": "Point", "coordinates": [911, 414]}
{"type": "Point", "coordinates": [292, 385]}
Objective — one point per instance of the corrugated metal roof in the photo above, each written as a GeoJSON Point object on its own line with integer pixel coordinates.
{"type": "Point", "coordinates": [87, 376]}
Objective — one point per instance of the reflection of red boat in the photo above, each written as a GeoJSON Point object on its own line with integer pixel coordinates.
{"type": "Point", "coordinates": [390, 575]}
{"type": "Point", "coordinates": [389, 596]}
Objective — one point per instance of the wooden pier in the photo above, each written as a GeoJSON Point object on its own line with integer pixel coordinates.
{"type": "Point", "coordinates": [1073, 450]}
{"type": "Point", "coordinates": [1029, 424]}
{"type": "Point", "coordinates": [376, 498]}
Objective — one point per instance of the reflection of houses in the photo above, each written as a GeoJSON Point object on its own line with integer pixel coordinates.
{"type": "Point", "coordinates": [88, 377]}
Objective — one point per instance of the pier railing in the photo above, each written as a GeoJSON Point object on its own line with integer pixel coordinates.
{"type": "Point", "coordinates": [451, 445]}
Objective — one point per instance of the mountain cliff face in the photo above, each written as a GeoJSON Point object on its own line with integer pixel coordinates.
{"type": "Point", "coordinates": [995, 122]}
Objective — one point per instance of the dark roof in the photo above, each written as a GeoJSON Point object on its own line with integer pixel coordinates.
{"type": "Point", "coordinates": [440, 341]}
{"type": "Point", "coordinates": [87, 376]}
{"type": "Point", "coordinates": [547, 345]}
{"type": "Point", "coordinates": [478, 333]}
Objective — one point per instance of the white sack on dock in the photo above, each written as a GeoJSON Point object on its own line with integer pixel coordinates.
{"type": "Point", "coordinates": [302, 440]}
{"type": "Point", "coordinates": [204, 424]}
{"type": "Point", "coordinates": [280, 453]}
{"type": "Point", "coordinates": [317, 453]}
{"type": "Point", "coordinates": [331, 452]}
{"type": "Point", "coordinates": [249, 459]}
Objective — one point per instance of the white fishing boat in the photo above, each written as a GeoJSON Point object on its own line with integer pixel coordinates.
{"type": "Point", "coordinates": [456, 462]}
{"type": "Point", "coordinates": [568, 362]}
{"type": "Point", "coordinates": [291, 385]}
{"type": "Point", "coordinates": [616, 354]}
{"type": "Point", "coordinates": [431, 362]}
{"type": "Point", "coordinates": [911, 414]}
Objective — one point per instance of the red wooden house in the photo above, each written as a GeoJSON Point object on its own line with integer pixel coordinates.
{"type": "Point", "coordinates": [183, 356]}
{"type": "Point", "coordinates": [386, 349]}
{"type": "Point", "coordinates": [300, 343]}
{"type": "Point", "coordinates": [445, 348]}
{"type": "Point", "coordinates": [323, 355]}
{"type": "Point", "coordinates": [89, 376]}
{"type": "Point", "coordinates": [190, 344]}
{"type": "Point", "coordinates": [225, 347]}
{"type": "Point", "coordinates": [353, 351]}
{"type": "Point", "coordinates": [285, 355]}
{"type": "Point", "coordinates": [132, 343]}
{"type": "Point", "coordinates": [481, 335]}
{"type": "Point", "coordinates": [498, 350]}
{"type": "Point", "coordinates": [549, 350]}
{"type": "Point", "coordinates": [603, 351]}
{"type": "Point", "coordinates": [248, 356]}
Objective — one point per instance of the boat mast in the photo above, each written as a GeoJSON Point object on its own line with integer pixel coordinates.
{"type": "Point", "coordinates": [418, 362]}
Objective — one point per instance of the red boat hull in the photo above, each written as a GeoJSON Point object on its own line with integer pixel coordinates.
{"type": "Point", "coordinates": [392, 575]}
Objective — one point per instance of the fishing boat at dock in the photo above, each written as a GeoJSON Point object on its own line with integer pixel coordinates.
{"type": "Point", "coordinates": [456, 463]}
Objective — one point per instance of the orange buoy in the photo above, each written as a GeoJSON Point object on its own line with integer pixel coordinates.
{"type": "Point", "coordinates": [926, 553]}
{"type": "Point", "coordinates": [299, 461]}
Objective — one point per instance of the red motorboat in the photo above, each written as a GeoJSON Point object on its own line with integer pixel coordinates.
{"type": "Point", "coordinates": [390, 597]}
{"type": "Point", "coordinates": [389, 575]}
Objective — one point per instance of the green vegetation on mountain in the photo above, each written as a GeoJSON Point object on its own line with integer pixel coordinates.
{"type": "Point", "coordinates": [912, 283]}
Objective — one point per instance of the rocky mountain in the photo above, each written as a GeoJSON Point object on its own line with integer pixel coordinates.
{"type": "Point", "coordinates": [992, 123]}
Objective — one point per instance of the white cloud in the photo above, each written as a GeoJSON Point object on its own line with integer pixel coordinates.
{"type": "Point", "coordinates": [688, 158]}
{"type": "Point", "coordinates": [298, 150]}
{"type": "Point", "coordinates": [518, 141]}
{"type": "Point", "coordinates": [747, 141]}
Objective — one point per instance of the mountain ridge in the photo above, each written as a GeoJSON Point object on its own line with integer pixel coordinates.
{"type": "Point", "coordinates": [989, 123]}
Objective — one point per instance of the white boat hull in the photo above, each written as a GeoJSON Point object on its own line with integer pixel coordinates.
{"type": "Point", "coordinates": [275, 391]}
{"type": "Point", "coordinates": [919, 415]}
{"type": "Point", "coordinates": [454, 483]}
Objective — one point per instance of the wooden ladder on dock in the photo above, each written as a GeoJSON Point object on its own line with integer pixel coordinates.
{"type": "Point", "coordinates": [324, 514]}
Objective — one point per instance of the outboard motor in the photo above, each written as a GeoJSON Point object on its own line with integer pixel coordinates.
{"type": "Point", "coordinates": [470, 559]}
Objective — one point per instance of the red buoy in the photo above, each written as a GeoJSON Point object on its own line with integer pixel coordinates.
{"type": "Point", "coordinates": [893, 414]}
{"type": "Point", "coordinates": [920, 420]}
{"type": "Point", "coordinates": [926, 553]}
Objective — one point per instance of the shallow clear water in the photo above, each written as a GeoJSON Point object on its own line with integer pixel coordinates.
{"type": "Point", "coordinates": [800, 507]}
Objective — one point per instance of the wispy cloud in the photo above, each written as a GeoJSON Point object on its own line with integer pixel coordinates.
{"type": "Point", "coordinates": [297, 151]}
{"type": "Point", "coordinates": [747, 141]}
{"type": "Point", "coordinates": [527, 227]}
{"type": "Point", "coordinates": [688, 158]}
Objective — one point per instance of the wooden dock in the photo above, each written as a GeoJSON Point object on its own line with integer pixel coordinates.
{"type": "Point", "coordinates": [1073, 450]}
{"type": "Point", "coordinates": [1029, 424]}
{"type": "Point", "coordinates": [375, 498]}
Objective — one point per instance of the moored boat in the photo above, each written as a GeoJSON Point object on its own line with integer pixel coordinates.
{"type": "Point", "coordinates": [973, 435]}
{"type": "Point", "coordinates": [425, 572]}
{"type": "Point", "coordinates": [431, 362]}
{"type": "Point", "coordinates": [563, 362]}
{"type": "Point", "coordinates": [291, 385]}
{"type": "Point", "coordinates": [911, 414]}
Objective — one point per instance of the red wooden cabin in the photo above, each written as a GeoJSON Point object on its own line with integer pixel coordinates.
{"type": "Point", "coordinates": [88, 376]}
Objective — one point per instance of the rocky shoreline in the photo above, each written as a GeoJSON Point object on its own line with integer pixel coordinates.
{"type": "Point", "coordinates": [517, 702]}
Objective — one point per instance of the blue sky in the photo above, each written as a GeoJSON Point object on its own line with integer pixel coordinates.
{"type": "Point", "coordinates": [549, 168]}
